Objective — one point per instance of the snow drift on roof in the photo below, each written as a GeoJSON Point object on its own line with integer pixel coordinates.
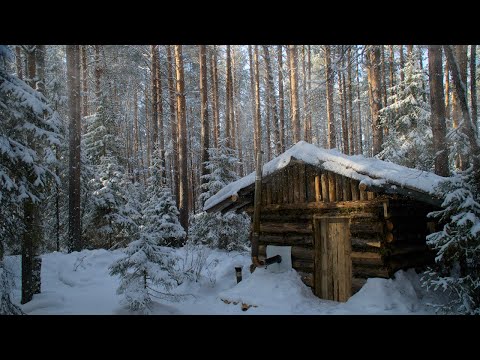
{"type": "Point", "coordinates": [370, 171]}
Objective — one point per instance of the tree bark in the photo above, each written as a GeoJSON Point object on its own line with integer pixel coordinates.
{"type": "Point", "coordinates": [161, 132]}
{"type": "Point", "coordinates": [332, 137]}
{"type": "Point", "coordinates": [447, 90]}
{"type": "Point", "coordinates": [153, 96]}
{"type": "Point", "coordinates": [468, 127]}
{"type": "Point", "coordinates": [253, 98]}
{"type": "Point", "coordinates": [227, 100]}
{"type": "Point", "coordinates": [73, 82]}
{"type": "Point", "coordinates": [373, 55]}
{"type": "Point", "coordinates": [281, 98]}
{"type": "Point", "coordinates": [392, 71]}
{"type": "Point", "coordinates": [98, 75]}
{"type": "Point", "coordinates": [40, 68]}
{"type": "Point", "coordinates": [83, 49]}
{"type": "Point", "coordinates": [18, 62]}
{"type": "Point", "coordinates": [205, 131]}
{"type": "Point", "coordinates": [173, 122]}
{"type": "Point", "coordinates": [350, 103]}
{"type": "Point", "coordinates": [215, 107]}
{"type": "Point", "coordinates": [384, 80]}
{"type": "Point", "coordinates": [258, 129]}
{"type": "Point", "coordinates": [292, 49]}
{"type": "Point", "coordinates": [182, 138]}
{"type": "Point", "coordinates": [473, 84]}
{"type": "Point", "coordinates": [237, 113]}
{"type": "Point", "coordinates": [437, 103]}
{"type": "Point", "coordinates": [271, 101]}
{"type": "Point", "coordinates": [309, 92]}
{"type": "Point", "coordinates": [359, 133]}
{"type": "Point", "coordinates": [402, 65]}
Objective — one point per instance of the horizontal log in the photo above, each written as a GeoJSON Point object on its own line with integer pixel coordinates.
{"type": "Point", "coordinates": [364, 271]}
{"type": "Point", "coordinates": [357, 284]}
{"type": "Point", "coordinates": [389, 225]}
{"type": "Point", "coordinates": [307, 278]}
{"type": "Point", "coordinates": [302, 265]}
{"type": "Point", "coordinates": [366, 258]}
{"type": "Point", "coordinates": [291, 216]}
{"type": "Point", "coordinates": [366, 227]}
{"type": "Point", "coordinates": [275, 227]}
{"type": "Point", "coordinates": [322, 205]}
{"type": "Point", "coordinates": [395, 250]}
{"type": "Point", "coordinates": [389, 237]}
{"type": "Point", "coordinates": [303, 253]}
{"type": "Point", "coordinates": [286, 239]}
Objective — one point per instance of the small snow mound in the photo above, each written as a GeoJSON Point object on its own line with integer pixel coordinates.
{"type": "Point", "coordinates": [400, 295]}
{"type": "Point", "coordinates": [274, 290]}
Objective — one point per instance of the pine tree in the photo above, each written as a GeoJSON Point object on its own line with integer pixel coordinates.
{"type": "Point", "coordinates": [409, 141]}
{"type": "Point", "coordinates": [221, 166]}
{"type": "Point", "coordinates": [145, 265]}
{"type": "Point", "coordinates": [28, 134]}
{"type": "Point", "coordinates": [160, 214]}
{"type": "Point", "coordinates": [457, 269]}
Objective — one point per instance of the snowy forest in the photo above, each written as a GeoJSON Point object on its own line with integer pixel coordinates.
{"type": "Point", "coordinates": [108, 154]}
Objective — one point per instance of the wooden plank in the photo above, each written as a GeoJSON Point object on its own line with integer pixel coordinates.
{"type": "Point", "coordinates": [286, 239]}
{"type": "Point", "coordinates": [327, 290]}
{"type": "Point", "coordinates": [366, 258]}
{"type": "Point", "coordinates": [268, 190]}
{"type": "Point", "coordinates": [296, 184]}
{"type": "Point", "coordinates": [318, 189]}
{"type": "Point", "coordinates": [280, 187]}
{"type": "Point", "coordinates": [355, 191]}
{"type": "Point", "coordinates": [285, 186]}
{"type": "Point", "coordinates": [338, 187]}
{"type": "Point", "coordinates": [331, 187]}
{"type": "Point", "coordinates": [276, 227]}
{"type": "Point", "coordinates": [370, 271]}
{"type": "Point", "coordinates": [370, 195]}
{"type": "Point", "coordinates": [325, 192]}
{"type": "Point", "coordinates": [339, 265]}
{"type": "Point", "coordinates": [347, 189]}
{"type": "Point", "coordinates": [302, 265]}
{"type": "Point", "coordinates": [348, 262]}
{"type": "Point", "coordinates": [363, 195]}
{"type": "Point", "coordinates": [332, 237]}
{"type": "Point", "coordinates": [369, 227]}
{"type": "Point", "coordinates": [303, 253]}
{"type": "Point", "coordinates": [367, 204]}
{"type": "Point", "coordinates": [318, 270]}
{"type": "Point", "coordinates": [291, 180]}
{"type": "Point", "coordinates": [302, 183]}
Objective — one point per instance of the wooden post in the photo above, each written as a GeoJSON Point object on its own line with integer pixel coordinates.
{"type": "Point", "coordinates": [256, 213]}
{"type": "Point", "coordinates": [318, 196]}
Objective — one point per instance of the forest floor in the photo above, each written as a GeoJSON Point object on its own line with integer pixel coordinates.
{"type": "Point", "coordinates": [79, 283]}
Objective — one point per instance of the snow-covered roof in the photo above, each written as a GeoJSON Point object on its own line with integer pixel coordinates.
{"type": "Point", "coordinates": [369, 171]}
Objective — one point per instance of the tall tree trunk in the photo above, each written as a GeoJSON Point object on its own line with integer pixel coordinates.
{"type": "Point", "coordinates": [447, 91]}
{"type": "Point", "coordinates": [232, 112]}
{"type": "Point", "coordinates": [135, 131]}
{"type": "Point", "coordinates": [98, 75]}
{"type": "Point", "coordinates": [267, 134]}
{"type": "Point", "coordinates": [227, 100]}
{"type": "Point", "coordinates": [304, 91]}
{"type": "Point", "coordinates": [271, 102]}
{"type": "Point", "coordinates": [373, 55]}
{"type": "Point", "coordinates": [153, 96]}
{"type": "Point", "coordinates": [205, 131]}
{"type": "Point", "coordinates": [40, 68]}
{"type": "Point", "coordinates": [438, 109]}
{"type": "Point", "coordinates": [253, 98]}
{"type": "Point", "coordinates": [341, 98]}
{"type": "Point", "coordinates": [332, 136]}
{"type": "Point", "coordinates": [173, 122]}
{"type": "Point", "coordinates": [83, 49]}
{"type": "Point", "coordinates": [237, 113]}
{"type": "Point", "coordinates": [73, 81]}
{"type": "Point", "coordinates": [32, 235]}
{"type": "Point", "coordinates": [350, 103]}
{"type": "Point", "coordinates": [182, 138]}
{"type": "Point", "coordinates": [215, 107]}
{"type": "Point", "coordinates": [148, 127]}
{"type": "Point", "coordinates": [292, 49]}
{"type": "Point", "coordinates": [473, 84]}
{"type": "Point", "coordinates": [402, 65]}
{"type": "Point", "coordinates": [281, 98]}
{"type": "Point", "coordinates": [468, 128]}
{"type": "Point", "coordinates": [384, 79]}
{"type": "Point", "coordinates": [161, 132]}
{"type": "Point", "coordinates": [410, 53]}
{"type": "Point", "coordinates": [420, 60]}
{"type": "Point", "coordinates": [309, 92]}
{"type": "Point", "coordinates": [359, 132]}
{"type": "Point", "coordinates": [461, 56]}
{"type": "Point", "coordinates": [18, 61]}
{"type": "Point", "coordinates": [392, 71]}
{"type": "Point", "coordinates": [258, 129]}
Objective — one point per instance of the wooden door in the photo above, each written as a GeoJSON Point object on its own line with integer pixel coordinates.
{"type": "Point", "coordinates": [333, 264]}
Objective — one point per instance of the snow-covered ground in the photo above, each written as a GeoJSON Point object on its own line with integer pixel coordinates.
{"type": "Point", "coordinates": [79, 283]}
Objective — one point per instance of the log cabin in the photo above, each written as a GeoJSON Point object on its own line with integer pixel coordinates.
{"type": "Point", "coordinates": [346, 218]}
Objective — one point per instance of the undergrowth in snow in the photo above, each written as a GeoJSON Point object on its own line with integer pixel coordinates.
{"type": "Point", "coordinates": [79, 283]}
